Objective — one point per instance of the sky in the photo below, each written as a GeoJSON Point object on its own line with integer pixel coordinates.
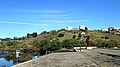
{"type": "Point", "coordinates": [19, 17]}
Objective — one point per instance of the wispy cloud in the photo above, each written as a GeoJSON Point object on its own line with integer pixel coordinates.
{"type": "Point", "coordinates": [38, 11]}
{"type": "Point", "coordinates": [42, 24]}
{"type": "Point", "coordinates": [22, 23]}
{"type": "Point", "coordinates": [44, 16]}
{"type": "Point", "coordinates": [42, 13]}
{"type": "Point", "coordinates": [52, 11]}
{"type": "Point", "coordinates": [47, 13]}
{"type": "Point", "coordinates": [55, 15]}
{"type": "Point", "coordinates": [56, 21]}
{"type": "Point", "coordinates": [69, 21]}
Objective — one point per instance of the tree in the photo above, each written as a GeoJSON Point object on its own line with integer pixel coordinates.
{"type": "Point", "coordinates": [29, 35]}
{"type": "Point", "coordinates": [67, 44]}
{"type": "Point", "coordinates": [54, 45]}
{"type": "Point", "coordinates": [75, 43]}
{"type": "Point", "coordinates": [93, 43]}
{"type": "Point", "coordinates": [74, 36]}
{"type": "Point", "coordinates": [47, 44]}
{"type": "Point", "coordinates": [70, 43]}
{"type": "Point", "coordinates": [44, 32]}
{"type": "Point", "coordinates": [15, 38]}
{"type": "Point", "coordinates": [34, 34]}
{"type": "Point", "coordinates": [61, 35]}
{"type": "Point", "coordinates": [79, 35]}
{"type": "Point", "coordinates": [82, 43]}
{"type": "Point", "coordinates": [22, 38]}
{"type": "Point", "coordinates": [86, 28]}
{"type": "Point", "coordinates": [112, 43]}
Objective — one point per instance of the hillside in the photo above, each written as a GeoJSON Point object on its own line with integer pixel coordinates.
{"type": "Point", "coordinates": [63, 39]}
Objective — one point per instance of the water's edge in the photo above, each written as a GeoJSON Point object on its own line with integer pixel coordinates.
{"type": "Point", "coordinates": [18, 65]}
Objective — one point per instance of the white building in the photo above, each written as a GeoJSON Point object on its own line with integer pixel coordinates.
{"type": "Point", "coordinates": [69, 28]}
{"type": "Point", "coordinates": [82, 33]}
{"type": "Point", "coordinates": [117, 33]}
{"type": "Point", "coordinates": [104, 30]}
{"type": "Point", "coordinates": [81, 27]}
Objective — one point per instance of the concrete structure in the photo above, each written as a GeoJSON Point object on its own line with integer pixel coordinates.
{"type": "Point", "coordinates": [91, 47]}
{"type": "Point", "coordinates": [69, 28]}
{"type": "Point", "coordinates": [81, 27]}
{"type": "Point", "coordinates": [114, 29]}
{"type": "Point", "coordinates": [17, 53]}
{"type": "Point", "coordinates": [78, 49]}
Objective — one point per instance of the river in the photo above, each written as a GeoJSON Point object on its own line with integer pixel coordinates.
{"type": "Point", "coordinates": [8, 59]}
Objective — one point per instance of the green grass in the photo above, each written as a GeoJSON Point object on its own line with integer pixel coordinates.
{"type": "Point", "coordinates": [115, 48]}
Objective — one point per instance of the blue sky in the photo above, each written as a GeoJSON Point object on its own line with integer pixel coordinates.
{"type": "Point", "coordinates": [19, 17]}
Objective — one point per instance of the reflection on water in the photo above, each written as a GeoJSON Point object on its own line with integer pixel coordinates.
{"type": "Point", "coordinates": [11, 58]}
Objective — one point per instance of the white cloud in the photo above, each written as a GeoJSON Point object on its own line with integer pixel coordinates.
{"type": "Point", "coordinates": [38, 11]}
{"type": "Point", "coordinates": [52, 11]}
{"type": "Point", "coordinates": [55, 15]}
{"type": "Point", "coordinates": [69, 21]}
{"type": "Point", "coordinates": [63, 21]}
{"type": "Point", "coordinates": [43, 13]}
{"type": "Point", "coordinates": [22, 23]}
{"type": "Point", "coordinates": [46, 21]}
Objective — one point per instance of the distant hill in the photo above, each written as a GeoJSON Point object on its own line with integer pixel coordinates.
{"type": "Point", "coordinates": [63, 37]}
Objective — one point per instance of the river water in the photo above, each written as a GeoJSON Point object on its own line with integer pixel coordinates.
{"type": "Point", "coordinates": [8, 59]}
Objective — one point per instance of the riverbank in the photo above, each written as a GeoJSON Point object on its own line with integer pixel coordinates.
{"type": "Point", "coordinates": [88, 58]}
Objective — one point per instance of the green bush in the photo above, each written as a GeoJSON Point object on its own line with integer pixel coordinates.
{"type": "Point", "coordinates": [70, 43]}
{"type": "Point", "coordinates": [74, 36]}
{"type": "Point", "coordinates": [61, 35]}
{"type": "Point", "coordinates": [47, 44]}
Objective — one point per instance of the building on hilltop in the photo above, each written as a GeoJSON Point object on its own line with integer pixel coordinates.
{"type": "Point", "coordinates": [111, 29]}
{"type": "Point", "coordinates": [82, 33]}
{"type": "Point", "coordinates": [116, 29]}
{"type": "Point", "coordinates": [69, 28]}
{"type": "Point", "coordinates": [104, 30]}
{"type": "Point", "coordinates": [75, 28]}
{"type": "Point", "coordinates": [81, 27]}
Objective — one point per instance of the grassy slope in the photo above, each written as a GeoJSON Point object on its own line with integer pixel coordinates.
{"type": "Point", "coordinates": [95, 35]}
{"type": "Point", "coordinates": [98, 34]}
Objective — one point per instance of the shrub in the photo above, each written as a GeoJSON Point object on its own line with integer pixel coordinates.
{"type": "Point", "coordinates": [47, 44]}
{"type": "Point", "coordinates": [74, 36]}
{"type": "Point", "coordinates": [79, 35]}
{"type": "Point", "coordinates": [34, 34]}
{"type": "Point", "coordinates": [61, 35]}
{"type": "Point", "coordinates": [106, 37]}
